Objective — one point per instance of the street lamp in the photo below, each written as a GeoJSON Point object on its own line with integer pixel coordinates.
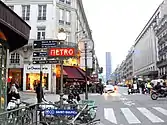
{"type": "Point", "coordinates": [88, 45]}
{"type": "Point", "coordinates": [62, 36]}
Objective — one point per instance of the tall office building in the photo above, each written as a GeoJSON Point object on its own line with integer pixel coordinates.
{"type": "Point", "coordinates": [108, 65]}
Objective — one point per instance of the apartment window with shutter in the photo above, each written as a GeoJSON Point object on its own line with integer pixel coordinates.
{"type": "Point", "coordinates": [42, 12]}
{"type": "Point", "coordinates": [61, 16]}
{"type": "Point", "coordinates": [26, 12]}
{"type": "Point", "coordinates": [40, 33]}
{"type": "Point", "coordinates": [11, 7]}
{"type": "Point", "coordinates": [68, 17]}
{"type": "Point", "coordinates": [15, 58]}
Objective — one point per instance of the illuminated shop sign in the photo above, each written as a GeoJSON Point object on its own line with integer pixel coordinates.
{"type": "Point", "coordinates": [36, 68]}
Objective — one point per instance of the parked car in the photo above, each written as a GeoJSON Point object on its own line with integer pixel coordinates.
{"type": "Point", "coordinates": [108, 89]}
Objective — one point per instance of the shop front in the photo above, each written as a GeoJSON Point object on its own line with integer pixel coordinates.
{"type": "Point", "coordinates": [31, 77]}
{"type": "Point", "coordinates": [17, 74]}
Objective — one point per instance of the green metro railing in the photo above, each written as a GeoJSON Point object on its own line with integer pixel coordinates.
{"type": "Point", "coordinates": [36, 115]}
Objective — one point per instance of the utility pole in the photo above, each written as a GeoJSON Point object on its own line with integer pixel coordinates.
{"type": "Point", "coordinates": [86, 72]}
{"type": "Point", "coordinates": [61, 84]}
{"type": "Point", "coordinates": [41, 83]}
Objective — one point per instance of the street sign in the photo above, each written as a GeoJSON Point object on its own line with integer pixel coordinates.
{"type": "Point", "coordinates": [45, 44]}
{"type": "Point", "coordinates": [61, 52]}
{"type": "Point", "coordinates": [46, 62]}
{"type": "Point", "coordinates": [40, 54]}
{"type": "Point", "coordinates": [60, 112]}
{"type": "Point", "coordinates": [39, 58]}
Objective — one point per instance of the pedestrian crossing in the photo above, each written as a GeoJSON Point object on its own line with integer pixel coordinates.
{"type": "Point", "coordinates": [136, 115]}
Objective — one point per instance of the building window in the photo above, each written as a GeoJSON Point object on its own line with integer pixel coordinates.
{"type": "Point", "coordinates": [15, 58]}
{"type": "Point", "coordinates": [68, 2]}
{"type": "Point", "coordinates": [26, 12]}
{"type": "Point", "coordinates": [11, 7]}
{"type": "Point", "coordinates": [41, 12]}
{"type": "Point", "coordinates": [40, 33]}
{"type": "Point", "coordinates": [68, 37]}
{"type": "Point", "coordinates": [61, 0]}
{"type": "Point", "coordinates": [61, 16]}
{"type": "Point", "coordinates": [68, 17]}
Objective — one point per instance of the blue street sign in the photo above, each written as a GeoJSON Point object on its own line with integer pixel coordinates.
{"type": "Point", "coordinates": [62, 112]}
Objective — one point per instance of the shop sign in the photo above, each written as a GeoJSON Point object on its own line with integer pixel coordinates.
{"type": "Point", "coordinates": [61, 52]}
{"type": "Point", "coordinates": [36, 68]}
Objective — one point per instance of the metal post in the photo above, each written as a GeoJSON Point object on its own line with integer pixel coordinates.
{"type": "Point", "coordinates": [41, 83]}
{"type": "Point", "coordinates": [86, 87]}
{"type": "Point", "coordinates": [61, 84]}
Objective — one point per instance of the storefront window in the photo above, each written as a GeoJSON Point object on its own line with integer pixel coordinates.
{"type": "Point", "coordinates": [32, 79]}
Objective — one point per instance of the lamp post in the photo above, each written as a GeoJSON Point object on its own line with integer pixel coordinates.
{"type": "Point", "coordinates": [62, 36]}
{"type": "Point", "coordinates": [86, 73]}
{"type": "Point", "coordinates": [88, 46]}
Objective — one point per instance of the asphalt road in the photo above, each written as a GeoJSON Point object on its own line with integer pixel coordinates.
{"type": "Point", "coordinates": [123, 109]}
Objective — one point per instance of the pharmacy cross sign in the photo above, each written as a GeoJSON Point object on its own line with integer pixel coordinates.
{"type": "Point", "coordinates": [61, 52]}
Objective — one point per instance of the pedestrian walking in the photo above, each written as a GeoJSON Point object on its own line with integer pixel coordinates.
{"type": "Point", "coordinates": [40, 93]}
{"type": "Point", "coordinates": [149, 87]}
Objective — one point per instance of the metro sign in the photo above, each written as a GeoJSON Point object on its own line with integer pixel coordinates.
{"type": "Point", "coordinates": [61, 52]}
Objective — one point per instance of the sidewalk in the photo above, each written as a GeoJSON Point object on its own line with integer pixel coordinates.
{"type": "Point", "coordinates": [30, 97]}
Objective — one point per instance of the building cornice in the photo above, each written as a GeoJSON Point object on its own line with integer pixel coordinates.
{"type": "Point", "coordinates": [85, 18]}
{"type": "Point", "coordinates": [151, 20]}
{"type": "Point", "coordinates": [25, 2]}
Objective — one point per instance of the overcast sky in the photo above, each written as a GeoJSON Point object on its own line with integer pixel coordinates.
{"type": "Point", "coordinates": [116, 24]}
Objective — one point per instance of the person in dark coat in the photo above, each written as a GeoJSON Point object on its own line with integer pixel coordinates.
{"type": "Point", "coordinates": [40, 94]}
{"type": "Point", "coordinates": [142, 87]}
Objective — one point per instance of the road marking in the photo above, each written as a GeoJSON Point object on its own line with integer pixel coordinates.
{"type": "Point", "coordinates": [125, 93]}
{"type": "Point", "coordinates": [153, 118]}
{"type": "Point", "coordinates": [109, 115]}
{"type": "Point", "coordinates": [161, 110]}
{"type": "Point", "coordinates": [130, 117]}
{"type": "Point", "coordinates": [126, 101]}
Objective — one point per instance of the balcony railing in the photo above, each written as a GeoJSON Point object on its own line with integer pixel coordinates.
{"type": "Point", "coordinates": [13, 21]}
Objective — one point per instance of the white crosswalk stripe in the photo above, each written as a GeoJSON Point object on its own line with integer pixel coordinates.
{"type": "Point", "coordinates": [133, 117]}
{"type": "Point", "coordinates": [153, 118]}
{"type": "Point", "coordinates": [161, 110]}
{"type": "Point", "coordinates": [109, 115]}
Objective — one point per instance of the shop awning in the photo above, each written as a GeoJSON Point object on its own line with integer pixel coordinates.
{"type": "Point", "coordinates": [72, 72]}
{"type": "Point", "coordinates": [65, 73]}
{"type": "Point", "coordinates": [14, 28]}
{"type": "Point", "coordinates": [83, 73]}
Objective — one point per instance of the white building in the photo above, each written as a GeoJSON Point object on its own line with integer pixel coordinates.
{"type": "Point", "coordinates": [145, 50]}
{"type": "Point", "coordinates": [46, 17]}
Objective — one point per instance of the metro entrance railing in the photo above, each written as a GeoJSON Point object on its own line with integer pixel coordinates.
{"type": "Point", "coordinates": [43, 114]}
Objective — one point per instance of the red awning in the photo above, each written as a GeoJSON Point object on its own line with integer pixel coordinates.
{"type": "Point", "coordinates": [72, 72]}
{"type": "Point", "coordinates": [83, 73]}
{"type": "Point", "coordinates": [65, 73]}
